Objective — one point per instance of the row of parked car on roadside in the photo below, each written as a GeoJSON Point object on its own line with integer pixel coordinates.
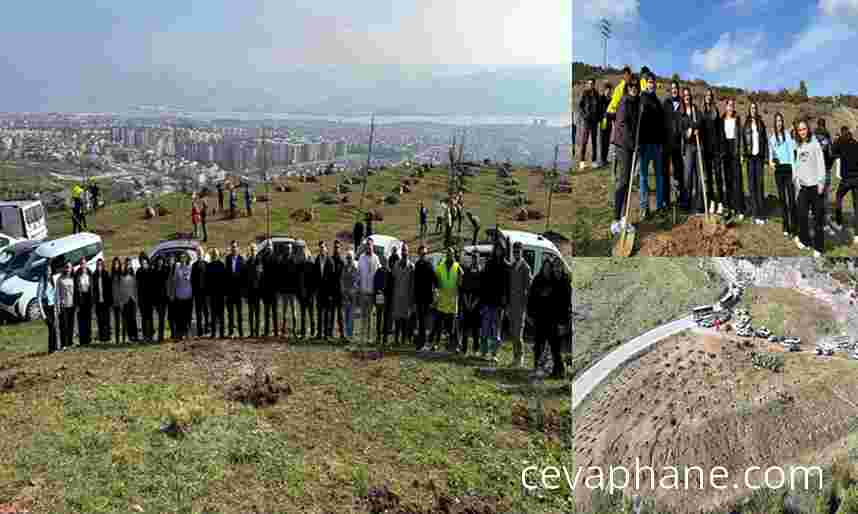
{"type": "Point", "coordinates": [745, 329]}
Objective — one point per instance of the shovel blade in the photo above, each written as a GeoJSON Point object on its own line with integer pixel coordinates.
{"type": "Point", "coordinates": [625, 244]}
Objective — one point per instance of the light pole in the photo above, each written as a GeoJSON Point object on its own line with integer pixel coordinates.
{"type": "Point", "coordinates": [604, 27]}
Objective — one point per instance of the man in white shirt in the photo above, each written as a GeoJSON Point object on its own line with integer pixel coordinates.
{"type": "Point", "coordinates": [367, 266]}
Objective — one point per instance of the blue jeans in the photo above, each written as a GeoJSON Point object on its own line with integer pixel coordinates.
{"type": "Point", "coordinates": [490, 322]}
{"type": "Point", "coordinates": [348, 314]}
{"type": "Point", "coordinates": [651, 153]}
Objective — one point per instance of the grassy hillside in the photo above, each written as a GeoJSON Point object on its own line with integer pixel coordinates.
{"type": "Point", "coordinates": [84, 427]}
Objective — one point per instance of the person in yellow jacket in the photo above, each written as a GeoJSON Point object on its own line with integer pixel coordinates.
{"type": "Point", "coordinates": [619, 91]}
{"type": "Point", "coordinates": [448, 276]}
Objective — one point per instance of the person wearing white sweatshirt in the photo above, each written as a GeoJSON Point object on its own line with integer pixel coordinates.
{"type": "Point", "coordinates": [809, 176]}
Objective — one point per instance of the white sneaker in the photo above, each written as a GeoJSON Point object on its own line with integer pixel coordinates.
{"type": "Point", "coordinates": [816, 254]}
{"type": "Point", "coordinates": [786, 234]}
{"type": "Point", "coordinates": [615, 228]}
{"type": "Point", "coordinates": [855, 240]}
{"type": "Point", "coordinates": [720, 208]}
{"type": "Point", "coordinates": [741, 217]}
{"type": "Point", "coordinates": [799, 244]}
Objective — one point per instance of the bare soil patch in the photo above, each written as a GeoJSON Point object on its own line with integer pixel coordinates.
{"type": "Point", "coordinates": [692, 238]}
{"type": "Point", "coordinates": [381, 500]}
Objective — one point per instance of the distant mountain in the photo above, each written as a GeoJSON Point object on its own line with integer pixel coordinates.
{"type": "Point", "coordinates": [312, 90]}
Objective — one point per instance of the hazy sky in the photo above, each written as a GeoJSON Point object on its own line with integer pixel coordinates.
{"type": "Point", "coordinates": [757, 44]}
{"type": "Point", "coordinates": [89, 45]}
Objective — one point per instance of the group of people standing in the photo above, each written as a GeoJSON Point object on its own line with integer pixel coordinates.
{"type": "Point", "coordinates": [677, 136]}
{"type": "Point", "coordinates": [412, 300]}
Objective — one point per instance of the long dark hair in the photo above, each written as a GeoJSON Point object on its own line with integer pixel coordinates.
{"type": "Point", "coordinates": [735, 115]}
{"type": "Point", "coordinates": [686, 106]}
{"type": "Point", "coordinates": [753, 117]}
{"type": "Point", "coordinates": [780, 134]}
{"type": "Point", "coordinates": [116, 266]}
{"type": "Point", "coordinates": [798, 138]}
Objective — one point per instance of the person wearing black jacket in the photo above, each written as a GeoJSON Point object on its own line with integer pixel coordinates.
{"type": "Point", "coordinates": [200, 295]}
{"type": "Point", "coordinates": [549, 308]}
{"type": "Point", "coordinates": [357, 234]}
{"type": "Point", "coordinates": [605, 131]}
{"type": "Point", "coordinates": [625, 128]}
{"type": "Point", "coordinates": [469, 298]}
{"type": "Point", "coordinates": [755, 143]}
{"type": "Point", "coordinates": [672, 165]}
{"type": "Point", "coordinates": [216, 282]}
{"type": "Point", "coordinates": [424, 293]}
{"type": "Point", "coordinates": [711, 137]}
{"type": "Point", "coordinates": [494, 292]}
{"type": "Point", "coordinates": [846, 149]}
{"type": "Point", "coordinates": [288, 288]}
{"type": "Point", "coordinates": [731, 123]}
{"type": "Point", "coordinates": [270, 294]}
{"type": "Point", "coordinates": [146, 298]}
{"type": "Point", "coordinates": [323, 269]}
{"type": "Point", "coordinates": [589, 108]}
{"type": "Point", "coordinates": [335, 292]}
{"type": "Point", "coordinates": [651, 139]}
{"type": "Point", "coordinates": [158, 282]}
{"type": "Point", "coordinates": [102, 295]}
{"type": "Point", "coordinates": [691, 126]}
{"type": "Point", "coordinates": [306, 289]}
{"type": "Point", "coordinates": [253, 273]}
{"type": "Point", "coordinates": [234, 285]}
{"type": "Point", "coordinates": [115, 278]}
{"type": "Point", "coordinates": [83, 279]}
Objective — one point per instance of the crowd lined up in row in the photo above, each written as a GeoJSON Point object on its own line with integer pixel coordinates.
{"type": "Point", "coordinates": [411, 299]}
{"type": "Point", "coordinates": [675, 135]}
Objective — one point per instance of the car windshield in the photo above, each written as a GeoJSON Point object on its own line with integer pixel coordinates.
{"type": "Point", "coordinates": [33, 271]}
{"type": "Point", "coordinates": [10, 260]}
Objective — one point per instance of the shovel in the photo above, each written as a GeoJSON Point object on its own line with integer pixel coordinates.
{"type": "Point", "coordinates": [707, 217]}
{"type": "Point", "coordinates": [626, 242]}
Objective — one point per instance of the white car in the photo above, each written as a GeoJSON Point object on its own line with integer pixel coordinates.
{"type": "Point", "coordinates": [18, 292]}
{"type": "Point", "coordinates": [763, 332]}
{"type": "Point", "coordinates": [793, 340]}
{"type": "Point", "coordinates": [7, 240]}
{"type": "Point", "coordinates": [383, 246]}
{"type": "Point", "coordinates": [15, 256]}
{"type": "Point", "coordinates": [744, 332]}
{"type": "Point", "coordinates": [276, 244]}
{"type": "Point", "coordinates": [824, 349]}
{"type": "Point", "coordinates": [174, 248]}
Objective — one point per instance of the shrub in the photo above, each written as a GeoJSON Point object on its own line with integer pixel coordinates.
{"type": "Point", "coordinates": [327, 199]}
{"type": "Point", "coordinates": [391, 199]}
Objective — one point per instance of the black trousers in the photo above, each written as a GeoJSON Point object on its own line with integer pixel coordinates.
{"type": "Point", "coordinates": [216, 316]}
{"type": "Point", "coordinates": [172, 318]}
{"type": "Point", "coordinates": [306, 312]}
{"type": "Point", "coordinates": [786, 193]}
{"type": "Point", "coordinates": [102, 316]}
{"type": "Point", "coordinates": [809, 198]}
{"type": "Point", "coordinates": [445, 323]}
{"type": "Point", "coordinates": [129, 315]}
{"type": "Point", "coordinates": [693, 185]}
{"type": "Point", "coordinates": [472, 322]}
{"type": "Point", "coordinates": [161, 309]}
{"type": "Point", "coordinates": [733, 176]}
{"type": "Point", "coordinates": [201, 309]}
{"type": "Point", "coordinates": [323, 313]}
{"type": "Point", "coordinates": [842, 190]}
{"type": "Point", "coordinates": [66, 327]}
{"type": "Point", "coordinates": [234, 314]}
{"type": "Point", "coordinates": [545, 332]}
{"type": "Point", "coordinates": [423, 310]}
{"type": "Point", "coordinates": [205, 230]}
{"type": "Point", "coordinates": [755, 186]}
{"type": "Point", "coordinates": [714, 179]}
{"type": "Point", "coordinates": [591, 133]}
{"type": "Point", "coordinates": [476, 233]}
{"type": "Point", "coordinates": [53, 340]}
{"type": "Point", "coordinates": [118, 324]}
{"type": "Point", "coordinates": [380, 322]}
{"type": "Point", "coordinates": [621, 188]}
{"type": "Point", "coordinates": [673, 166]}
{"type": "Point", "coordinates": [423, 229]}
{"type": "Point", "coordinates": [183, 322]}
{"type": "Point", "coordinates": [605, 137]}
{"type": "Point", "coordinates": [271, 315]}
{"type": "Point", "coordinates": [147, 320]}
{"type": "Point", "coordinates": [254, 307]}
{"type": "Point", "coordinates": [84, 322]}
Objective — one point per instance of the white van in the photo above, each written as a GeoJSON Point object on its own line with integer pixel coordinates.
{"type": "Point", "coordinates": [23, 220]}
{"type": "Point", "coordinates": [535, 250]}
{"type": "Point", "coordinates": [18, 292]}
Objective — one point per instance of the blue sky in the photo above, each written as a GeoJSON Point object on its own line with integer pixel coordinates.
{"type": "Point", "coordinates": [89, 48]}
{"type": "Point", "coordinates": [757, 44]}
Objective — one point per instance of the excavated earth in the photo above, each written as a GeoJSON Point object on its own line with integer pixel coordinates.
{"type": "Point", "coordinates": [696, 400]}
{"type": "Point", "coordinates": [692, 238]}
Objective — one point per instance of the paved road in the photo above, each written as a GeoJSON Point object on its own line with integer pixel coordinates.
{"type": "Point", "coordinates": [588, 381]}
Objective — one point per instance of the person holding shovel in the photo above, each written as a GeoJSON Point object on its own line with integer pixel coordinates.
{"type": "Point", "coordinates": [624, 139]}
{"type": "Point", "coordinates": [692, 122]}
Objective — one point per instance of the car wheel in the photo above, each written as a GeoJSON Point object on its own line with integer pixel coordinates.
{"type": "Point", "coordinates": [33, 312]}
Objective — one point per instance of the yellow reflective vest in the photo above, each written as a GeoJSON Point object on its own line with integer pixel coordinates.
{"type": "Point", "coordinates": [448, 287]}
{"type": "Point", "coordinates": [616, 97]}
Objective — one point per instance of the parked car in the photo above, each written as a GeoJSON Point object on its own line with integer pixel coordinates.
{"type": "Point", "coordinates": [790, 345]}
{"type": "Point", "coordinates": [824, 349]}
{"type": "Point", "coordinates": [793, 340]}
{"type": "Point", "coordinates": [383, 246]}
{"type": "Point", "coordinates": [276, 244]}
{"type": "Point", "coordinates": [776, 339]}
{"type": "Point", "coordinates": [24, 219]}
{"type": "Point", "coordinates": [18, 292]}
{"type": "Point", "coordinates": [14, 257]}
{"type": "Point", "coordinates": [174, 248]}
{"type": "Point", "coordinates": [763, 332]}
{"type": "Point", "coordinates": [744, 332]}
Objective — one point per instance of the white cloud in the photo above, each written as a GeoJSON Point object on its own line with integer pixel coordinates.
{"type": "Point", "coordinates": [586, 42]}
{"type": "Point", "coordinates": [839, 7]}
{"type": "Point", "coordinates": [730, 51]}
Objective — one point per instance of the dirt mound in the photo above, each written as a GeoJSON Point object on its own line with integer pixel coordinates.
{"type": "Point", "coordinates": [13, 380]}
{"type": "Point", "coordinates": [344, 200]}
{"type": "Point", "coordinates": [553, 422]}
{"type": "Point", "coordinates": [162, 211]}
{"type": "Point", "coordinates": [302, 215]}
{"type": "Point", "coordinates": [381, 500]}
{"type": "Point", "coordinates": [524, 214]}
{"type": "Point", "coordinates": [262, 198]}
{"type": "Point", "coordinates": [692, 238]}
{"type": "Point", "coordinates": [377, 215]}
{"type": "Point", "coordinates": [367, 355]}
{"type": "Point", "coordinates": [149, 213]}
{"type": "Point", "coordinates": [258, 388]}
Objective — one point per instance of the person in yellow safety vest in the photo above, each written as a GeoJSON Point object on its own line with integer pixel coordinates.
{"type": "Point", "coordinates": [618, 93]}
{"type": "Point", "coordinates": [448, 275]}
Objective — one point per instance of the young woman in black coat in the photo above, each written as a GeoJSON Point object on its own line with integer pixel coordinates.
{"type": "Point", "coordinates": [549, 305]}
{"type": "Point", "coordinates": [102, 295]}
{"type": "Point", "coordinates": [158, 278]}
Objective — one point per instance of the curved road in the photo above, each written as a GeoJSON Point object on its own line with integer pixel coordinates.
{"type": "Point", "coordinates": [591, 378]}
